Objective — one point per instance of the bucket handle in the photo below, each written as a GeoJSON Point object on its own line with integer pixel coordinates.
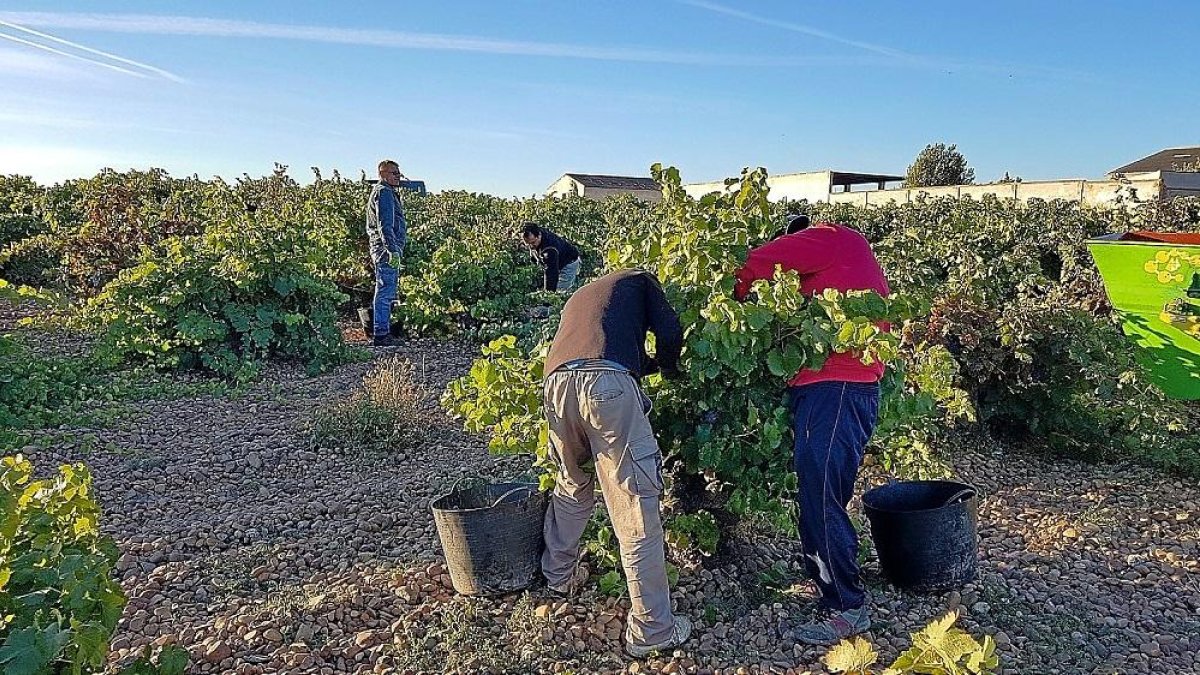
{"type": "Point", "coordinates": [454, 486]}
{"type": "Point", "coordinates": [959, 496]}
{"type": "Point", "coordinates": [510, 492]}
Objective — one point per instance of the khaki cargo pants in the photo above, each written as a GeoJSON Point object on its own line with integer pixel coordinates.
{"type": "Point", "coordinates": [599, 431]}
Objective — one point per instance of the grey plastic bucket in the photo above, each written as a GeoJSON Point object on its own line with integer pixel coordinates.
{"type": "Point", "coordinates": [492, 536]}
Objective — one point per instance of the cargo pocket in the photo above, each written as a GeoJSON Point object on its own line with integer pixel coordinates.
{"type": "Point", "coordinates": [642, 475]}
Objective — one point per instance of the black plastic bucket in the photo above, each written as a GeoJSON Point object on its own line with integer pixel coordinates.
{"type": "Point", "coordinates": [925, 533]}
{"type": "Point", "coordinates": [492, 536]}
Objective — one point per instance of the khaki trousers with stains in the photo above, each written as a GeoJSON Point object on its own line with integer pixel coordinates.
{"type": "Point", "coordinates": [599, 432]}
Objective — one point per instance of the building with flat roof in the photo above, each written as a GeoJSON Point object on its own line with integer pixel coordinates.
{"type": "Point", "coordinates": [812, 186]}
{"type": "Point", "coordinates": [1174, 172]}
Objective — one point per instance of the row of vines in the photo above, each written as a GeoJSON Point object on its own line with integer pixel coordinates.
{"type": "Point", "coordinates": [998, 301]}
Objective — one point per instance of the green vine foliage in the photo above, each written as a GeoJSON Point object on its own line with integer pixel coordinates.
{"type": "Point", "coordinates": [31, 261]}
{"type": "Point", "coordinates": [728, 420]}
{"type": "Point", "coordinates": [251, 287]}
{"type": "Point", "coordinates": [19, 195]}
{"type": "Point", "coordinates": [447, 295]}
{"type": "Point", "coordinates": [218, 275]}
{"type": "Point", "coordinates": [694, 532]}
{"type": "Point", "coordinates": [939, 648]}
{"type": "Point", "coordinates": [502, 397]}
{"type": "Point", "coordinates": [491, 295]}
{"type": "Point", "coordinates": [59, 601]}
{"type": "Point", "coordinates": [35, 387]}
{"type": "Point", "coordinates": [124, 215]}
{"type": "Point", "coordinates": [38, 391]}
{"type": "Point", "coordinates": [1017, 302]}
{"type": "Point", "coordinates": [1011, 309]}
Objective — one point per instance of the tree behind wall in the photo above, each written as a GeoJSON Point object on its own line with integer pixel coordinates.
{"type": "Point", "coordinates": [939, 164]}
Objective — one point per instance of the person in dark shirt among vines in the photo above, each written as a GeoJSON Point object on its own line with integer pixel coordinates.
{"type": "Point", "coordinates": [558, 257]}
{"type": "Point", "coordinates": [599, 432]}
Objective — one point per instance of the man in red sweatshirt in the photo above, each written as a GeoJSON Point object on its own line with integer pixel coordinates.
{"type": "Point", "coordinates": [834, 411]}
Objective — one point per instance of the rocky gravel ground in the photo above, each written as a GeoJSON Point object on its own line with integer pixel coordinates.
{"type": "Point", "coordinates": [263, 554]}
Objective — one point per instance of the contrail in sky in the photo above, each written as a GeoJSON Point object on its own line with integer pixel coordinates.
{"type": "Point", "coordinates": [797, 28]}
{"type": "Point", "coordinates": [84, 48]}
{"type": "Point", "coordinates": [896, 57]}
{"type": "Point", "coordinates": [227, 28]}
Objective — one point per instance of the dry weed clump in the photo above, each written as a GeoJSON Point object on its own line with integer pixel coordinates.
{"type": "Point", "coordinates": [383, 415]}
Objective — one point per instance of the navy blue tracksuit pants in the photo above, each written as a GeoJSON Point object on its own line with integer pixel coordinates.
{"type": "Point", "coordinates": [833, 422]}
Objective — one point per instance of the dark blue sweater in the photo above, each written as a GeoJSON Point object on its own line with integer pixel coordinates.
{"type": "Point", "coordinates": [555, 253]}
{"type": "Point", "coordinates": [609, 318]}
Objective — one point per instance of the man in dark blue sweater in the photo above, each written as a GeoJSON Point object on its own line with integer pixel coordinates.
{"type": "Point", "coordinates": [600, 432]}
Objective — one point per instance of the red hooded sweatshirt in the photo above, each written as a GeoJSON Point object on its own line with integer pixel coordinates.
{"type": "Point", "coordinates": [826, 255]}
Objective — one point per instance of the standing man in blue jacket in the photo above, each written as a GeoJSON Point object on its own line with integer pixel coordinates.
{"type": "Point", "coordinates": [386, 234]}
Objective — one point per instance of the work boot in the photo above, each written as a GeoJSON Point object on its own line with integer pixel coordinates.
{"type": "Point", "coordinates": [679, 635]}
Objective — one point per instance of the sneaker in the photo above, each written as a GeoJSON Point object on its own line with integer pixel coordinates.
{"type": "Point", "coordinates": [829, 627]}
{"type": "Point", "coordinates": [578, 579]}
{"type": "Point", "coordinates": [384, 341]}
{"type": "Point", "coordinates": [679, 635]}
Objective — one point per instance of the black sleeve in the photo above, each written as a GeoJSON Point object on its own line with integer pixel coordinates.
{"type": "Point", "coordinates": [550, 261]}
{"type": "Point", "coordinates": [570, 252]}
{"type": "Point", "coordinates": [664, 323]}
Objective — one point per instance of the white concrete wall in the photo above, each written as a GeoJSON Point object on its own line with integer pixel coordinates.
{"type": "Point", "coordinates": [1094, 192]}
{"type": "Point", "coordinates": [1059, 189]}
{"type": "Point", "coordinates": [698, 190]}
{"type": "Point", "coordinates": [563, 187]}
{"type": "Point", "coordinates": [933, 192]}
{"type": "Point", "coordinates": [1105, 192]}
{"type": "Point", "coordinates": [567, 186]}
{"type": "Point", "coordinates": [855, 198]}
{"type": "Point", "coordinates": [870, 197]}
{"type": "Point", "coordinates": [815, 187]}
{"type": "Point", "coordinates": [811, 185]}
{"type": "Point", "coordinates": [1000, 190]}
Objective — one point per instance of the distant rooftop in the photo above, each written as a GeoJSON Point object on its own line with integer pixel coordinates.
{"type": "Point", "coordinates": [852, 178]}
{"type": "Point", "coordinates": [843, 178]}
{"type": "Point", "coordinates": [615, 182]}
{"type": "Point", "coordinates": [1171, 159]}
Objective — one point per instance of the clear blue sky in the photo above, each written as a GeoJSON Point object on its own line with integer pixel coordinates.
{"type": "Point", "coordinates": [504, 97]}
